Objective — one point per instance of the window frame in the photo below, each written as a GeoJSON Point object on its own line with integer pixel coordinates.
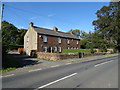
{"type": "Point", "coordinates": [44, 38]}
{"type": "Point", "coordinates": [59, 40]}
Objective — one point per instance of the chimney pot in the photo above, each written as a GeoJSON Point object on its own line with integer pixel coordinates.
{"type": "Point", "coordinates": [31, 24]}
{"type": "Point", "coordinates": [55, 28]}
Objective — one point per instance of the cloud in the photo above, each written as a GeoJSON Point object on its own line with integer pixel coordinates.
{"type": "Point", "coordinates": [51, 15]}
{"type": "Point", "coordinates": [32, 18]}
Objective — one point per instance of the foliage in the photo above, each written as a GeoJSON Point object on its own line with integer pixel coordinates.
{"type": "Point", "coordinates": [11, 36]}
{"type": "Point", "coordinates": [75, 50]}
{"type": "Point", "coordinates": [92, 51]}
{"type": "Point", "coordinates": [108, 25]}
{"type": "Point", "coordinates": [75, 32]}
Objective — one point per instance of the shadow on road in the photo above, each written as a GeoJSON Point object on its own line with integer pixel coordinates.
{"type": "Point", "coordinates": [23, 60]}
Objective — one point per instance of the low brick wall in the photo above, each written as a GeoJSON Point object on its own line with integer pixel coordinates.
{"type": "Point", "coordinates": [61, 56]}
{"type": "Point", "coordinates": [57, 56]}
{"type": "Point", "coordinates": [93, 54]}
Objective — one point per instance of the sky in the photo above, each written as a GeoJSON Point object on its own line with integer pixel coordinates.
{"type": "Point", "coordinates": [64, 15]}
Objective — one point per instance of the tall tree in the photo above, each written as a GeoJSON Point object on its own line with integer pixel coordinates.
{"type": "Point", "coordinates": [107, 24]}
{"type": "Point", "coordinates": [9, 33]}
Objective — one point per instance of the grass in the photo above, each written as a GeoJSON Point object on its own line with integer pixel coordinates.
{"type": "Point", "coordinates": [7, 69]}
{"type": "Point", "coordinates": [75, 50]}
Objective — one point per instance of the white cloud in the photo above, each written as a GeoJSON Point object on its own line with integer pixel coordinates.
{"type": "Point", "coordinates": [32, 18]}
{"type": "Point", "coordinates": [51, 15]}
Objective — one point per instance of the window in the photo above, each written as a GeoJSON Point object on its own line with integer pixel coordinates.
{"type": "Point", "coordinates": [45, 49]}
{"type": "Point", "coordinates": [68, 42]}
{"type": "Point", "coordinates": [27, 39]}
{"type": "Point", "coordinates": [59, 49]}
{"type": "Point", "coordinates": [71, 47]}
{"type": "Point", "coordinates": [50, 49]}
{"type": "Point", "coordinates": [77, 42]}
{"type": "Point", "coordinates": [74, 47]}
{"type": "Point", "coordinates": [68, 47]}
{"type": "Point", "coordinates": [44, 38]}
{"type": "Point", "coordinates": [55, 48]}
{"type": "Point", "coordinates": [59, 40]}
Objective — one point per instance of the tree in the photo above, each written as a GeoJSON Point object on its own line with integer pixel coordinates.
{"type": "Point", "coordinates": [107, 25]}
{"type": "Point", "coordinates": [11, 35]}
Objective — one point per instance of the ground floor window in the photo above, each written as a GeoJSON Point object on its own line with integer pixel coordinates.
{"type": "Point", "coordinates": [59, 49]}
{"type": "Point", "coordinates": [55, 48]}
{"type": "Point", "coordinates": [68, 47]}
{"type": "Point", "coordinates": [45, 49]}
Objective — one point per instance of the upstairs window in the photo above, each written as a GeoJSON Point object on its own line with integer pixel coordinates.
{"type": "Point", "coordinates": [59, 49]}
{"type": "Point", "coordinates": [59, 40]}
{"type": "Point", "coordinates": [68, 42]}
{"type": "Point", "coordinates": [27, 39]}
{"type": "Point", "coordinates": [44, 38]}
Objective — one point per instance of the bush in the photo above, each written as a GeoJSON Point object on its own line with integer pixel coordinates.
{"type": "Point", "coordinates": [93, 51]}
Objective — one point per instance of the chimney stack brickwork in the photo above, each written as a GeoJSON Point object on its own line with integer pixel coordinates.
{"type": "Point", "coordinates": [55, 28]}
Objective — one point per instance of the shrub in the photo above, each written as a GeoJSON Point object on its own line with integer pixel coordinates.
{"type": "Point", "coordinates": [93, 51]}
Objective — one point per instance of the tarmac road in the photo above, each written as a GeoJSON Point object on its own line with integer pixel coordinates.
{"type": "Point", "coordinates": [94, 74]}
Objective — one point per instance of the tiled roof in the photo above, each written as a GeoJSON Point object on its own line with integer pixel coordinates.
{"type": "Point", "coordinates": [54, 33]}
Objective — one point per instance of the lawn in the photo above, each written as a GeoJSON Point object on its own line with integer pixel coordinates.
{"type": "Point", "coordinates": [75, 50]}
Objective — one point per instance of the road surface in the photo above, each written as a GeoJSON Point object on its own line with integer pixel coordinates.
{"type": "Point", "coordinates": [100, 73]}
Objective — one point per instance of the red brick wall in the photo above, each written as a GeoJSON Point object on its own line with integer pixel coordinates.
{"type": "Point", "coordinates": [53, 41]}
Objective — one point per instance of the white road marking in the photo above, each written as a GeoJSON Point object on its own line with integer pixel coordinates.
{"type": "Point", "coordinates": [35, 70]}
{"type": "Point", "coordinates": [56, 81]}
{"type": "Point", "coordinates": [67, 63]}
{"type": "Point", "coordinates": [7, 75]}
{"type": "Point", "coordinates": [55, 66]}
{"type": "Point", "coordinates": [103, 63]}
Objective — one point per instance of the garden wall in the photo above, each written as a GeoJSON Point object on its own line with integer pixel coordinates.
{"type": "Point", "coordinates": [61, 56]}
{"type": "Point", "coordinates": [57, 56]}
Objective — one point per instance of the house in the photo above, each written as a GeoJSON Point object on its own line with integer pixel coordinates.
{"type": "Point", "coordinates": [46, 40]}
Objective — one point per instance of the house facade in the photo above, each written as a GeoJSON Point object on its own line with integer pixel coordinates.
{"type": "Point", "coordinates": [46, 40]}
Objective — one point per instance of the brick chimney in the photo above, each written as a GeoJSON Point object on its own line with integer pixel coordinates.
{"type": "Point", "coordinates": [31, 24]}
{"type": "Point", "coordinates": [55, 28]}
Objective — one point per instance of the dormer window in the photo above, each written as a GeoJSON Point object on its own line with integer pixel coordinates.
{"type": "Point", "coordinates": [59, 40]}
{"type": "Point", "coordinates": [44, 38]}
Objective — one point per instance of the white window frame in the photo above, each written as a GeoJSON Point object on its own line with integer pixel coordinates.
{"type": "Point", "coordinates": [59, 49]}
{"type": "Point", "coordinates": [68, 41]}
{"type": "Point", "coordinates": [59, 40]}
{"type": "Point", "coordinates": [77, 42]}
{"type": "Point", "coordinates": [44, 38]}
{"type": "Point", "coordinates": [45, 48]}
{"type": "Point", "coordinates": [68, 47]}
{"type": "Point", "coordinates": [55, 48]}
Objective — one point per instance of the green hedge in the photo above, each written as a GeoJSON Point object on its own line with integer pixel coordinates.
{"type": "Point", "coordinates": [75, 50]}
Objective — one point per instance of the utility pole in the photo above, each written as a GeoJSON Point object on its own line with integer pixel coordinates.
{"type": "Point", "coordinates": [1, 16]}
